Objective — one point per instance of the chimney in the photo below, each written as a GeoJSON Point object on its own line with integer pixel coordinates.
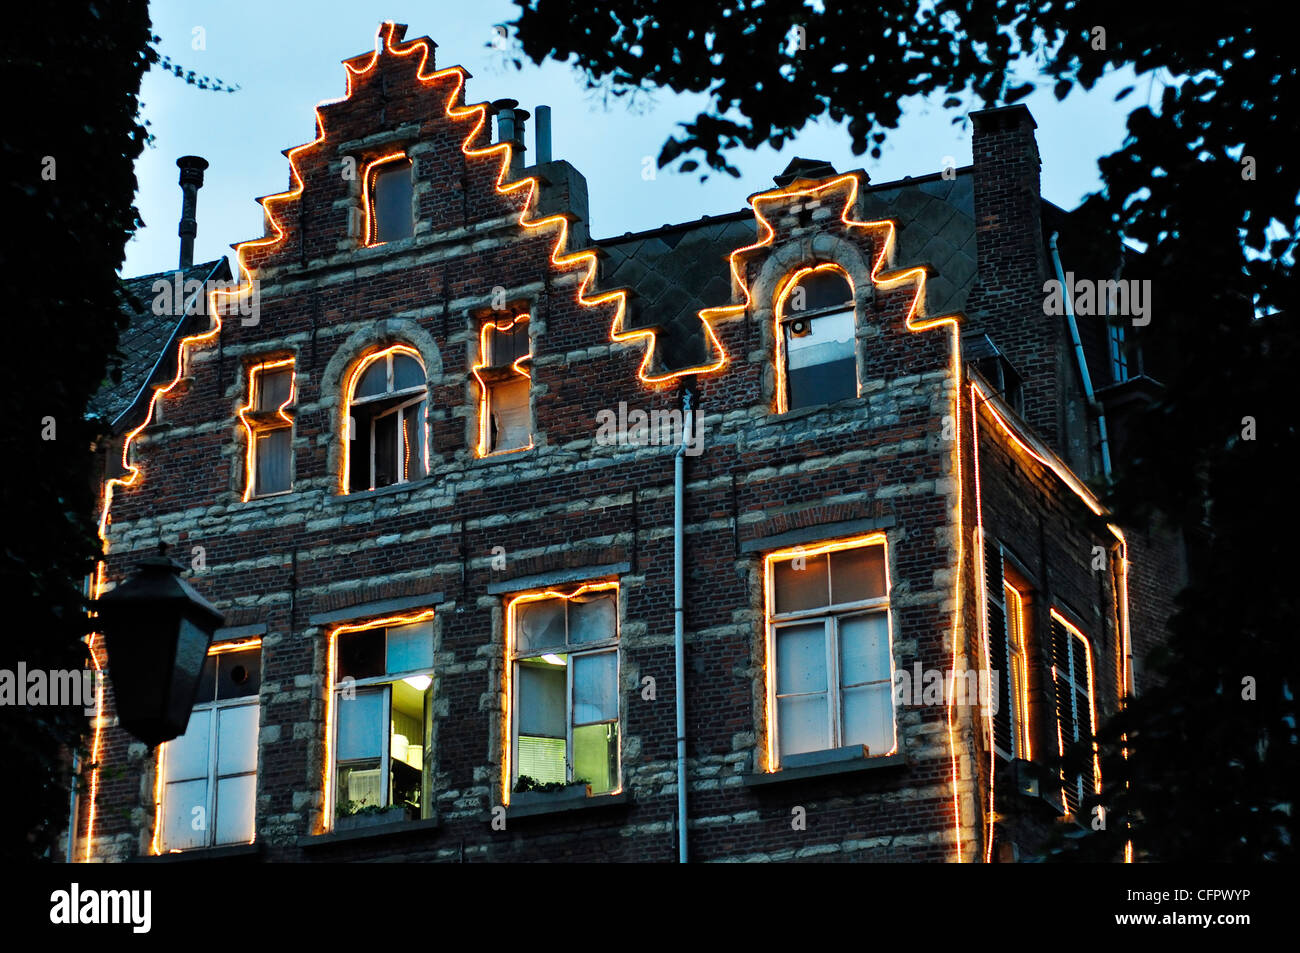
{"type": "Point", "coordinates": [510, 128]}
{"type": "Point", "coordinates": [542, 135]}
{"type": "Point", "coordinates": [1006, 301]}
{"type": "Point", "coordinates": [191, 181]}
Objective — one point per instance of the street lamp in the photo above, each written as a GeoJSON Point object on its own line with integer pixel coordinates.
{"type": "Point", "coordinates": [158, 630]}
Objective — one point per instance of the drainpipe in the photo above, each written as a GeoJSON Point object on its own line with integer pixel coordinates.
{"type": "Point", "coordinates": [1083, 364]}
{"type": "Point", "coordinates": [679, 616]}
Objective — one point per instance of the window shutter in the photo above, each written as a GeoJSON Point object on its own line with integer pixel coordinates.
{"type": "Point", "coordinates": [999, 660]}
{"type": "Point", "coordinates": [1066, 701]}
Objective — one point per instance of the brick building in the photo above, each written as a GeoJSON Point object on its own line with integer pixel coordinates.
{"type": "Point", "coordinates": [431, 482]}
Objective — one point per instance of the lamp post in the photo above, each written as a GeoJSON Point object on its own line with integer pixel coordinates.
{"type": "Point", "coordinates": [158, 629]}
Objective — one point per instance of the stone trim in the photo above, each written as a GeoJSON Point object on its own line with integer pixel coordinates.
{"type": "Point", "coordinates": [368, 833]}
{"type": "Point", "coordinates": [558, 577]}
{"type": "Point", "coordinates": [232, 632]}
{"type": "Point", "coordinates": [565, 805]}
{"type": "Point", "coordinates": [812, 771]}
{"type": "Point", "coordinates": [382, 607]}
{"type": "Point", "coordinates": [817, 534]}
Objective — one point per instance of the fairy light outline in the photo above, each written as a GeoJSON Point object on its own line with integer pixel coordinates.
{"type": "Point", "coordinates": [254, 383]}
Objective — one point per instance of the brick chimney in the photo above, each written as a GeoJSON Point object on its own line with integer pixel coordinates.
{"type": "Point", "coordinates": [191, 181]}
{"type": "Point", "coordinates": [1007, 300]}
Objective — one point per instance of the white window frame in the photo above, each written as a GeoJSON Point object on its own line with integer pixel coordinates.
{"type": "Point", "coordinates": [604, 646]}
{"type": "Point", "coordinates": [832, 614]}
{"type": "Point", "coordinates": [415, 393]}
{"type": "Point", "coordinates": [213, 710]}
{"type": "Point", "coordinates": [360, 685]}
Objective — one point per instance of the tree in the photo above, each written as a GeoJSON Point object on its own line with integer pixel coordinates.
{"type": "Point", "coordinates": [70, 140]}
{"type": "Point", "coordinates": [1205, 183]}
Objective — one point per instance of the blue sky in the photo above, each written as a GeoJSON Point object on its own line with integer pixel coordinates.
{"type": "Point", "coordinates": [286, 58]}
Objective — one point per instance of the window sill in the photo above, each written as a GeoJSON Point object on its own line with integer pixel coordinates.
{"type": "Point", "coordinates": [501, 456]}
{"type": "Point", "coordinates": [369, 833]}
{"type": "Point", "coordinates": [825, 764]}
{"type": "Point", "coordinates": [563, 805]}
{"type": "Point", "coordinates": [230, 852]}
{"type": "Point", "coordinates": [385, 490]}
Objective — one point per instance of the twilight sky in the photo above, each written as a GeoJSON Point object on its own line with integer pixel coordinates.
{"type": "Point", "coordinates": [286, 58]}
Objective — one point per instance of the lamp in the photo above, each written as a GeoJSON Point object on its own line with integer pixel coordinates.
{"type": "Point", "coordinates": [158, 629]}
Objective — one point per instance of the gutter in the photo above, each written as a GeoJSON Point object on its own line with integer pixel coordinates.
{"type": "Point", "coordinates": [679, 615]}
{"type": "Point", "coordinates": [1083, 364]}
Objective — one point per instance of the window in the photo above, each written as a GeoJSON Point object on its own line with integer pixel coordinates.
{"type": "Point", "coordinates": [387, 440]}
{"type": "Point", "coordinates": [830, 670]}
{"type": "Point", "coordinates": [383, 722]}
{"type": "Point", "coordinates": [816, 340]}
{"type": "Point", "coordinates": [1118, 353]}
{"type": "Point", "coordinates": [504, 420]}
{"type": "Point", "coordinates": [1005, 379]}
{"type": "Point", "coordinates": [1007, 616]}
{"type": "Point", "coordinates": [564, 675]}
{"type": "Point", "coordinates": [209, 774]}
{"type": "Point", "coordinates": [389, 214]}
{"type": "Point", "coordinates": [1075, 717]}
{"type": "Point", "coordinates": [268, 421]}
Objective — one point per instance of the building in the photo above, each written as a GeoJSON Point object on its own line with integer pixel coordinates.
{"type": "Point", "coordinates": [428, 471]}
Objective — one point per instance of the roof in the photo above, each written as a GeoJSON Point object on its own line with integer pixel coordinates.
{"type": "Point", "coordinates": [677, 270]}
{"type": "Point", "coordinates": [148, 333]}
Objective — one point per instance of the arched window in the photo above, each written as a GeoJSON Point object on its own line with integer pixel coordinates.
{"type": "Point", "coordinates": [816, 350]}
{"type": "Point", "coordinates": [386, 428]}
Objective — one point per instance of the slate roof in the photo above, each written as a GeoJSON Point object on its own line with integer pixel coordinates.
{"type": "Point", "coordinates": [677, 270]}
{"type": "Point", "coordinates": [146, 337]}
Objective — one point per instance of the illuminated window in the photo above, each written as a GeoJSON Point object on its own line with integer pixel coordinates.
{"type": "Point", "coordinates": [828, 645]}
{"type": "Point", "coordinates": [383, 722]}
{"type": "Point", "coordinates": [565, 683]}
{"type": "Point", "coordinates": [209, 774]}
{"type": "Point", "coordinates": [506, 423]}
{"type": "Point", "coordinates": [390, 214]}
{"type": "Point", "coordinates": [1007, 613]}
{"type": "Point", "coordinates": [270, 429]}
{"type": "Point", "coordinates": [387, 430]}
{"type": "Point", "coordinates": [1072, 681]}
{"type": "Point", "coordinates": [817, 341]}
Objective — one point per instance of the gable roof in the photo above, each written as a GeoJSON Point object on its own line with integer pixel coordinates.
{"type": "Point", "coordinates": [143, 349]}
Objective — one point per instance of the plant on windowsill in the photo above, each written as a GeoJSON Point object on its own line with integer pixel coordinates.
{"type": "Point", "coordinates": [529, 790]}
{"type": "Point", "coordinates": [357, 814]}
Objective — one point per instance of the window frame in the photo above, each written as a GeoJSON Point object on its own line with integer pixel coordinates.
{"type": "Point", "coordinates": [515, 658]}
{"type": "Point", "coordinates": [1013, 579]}
{"type": "Point", "coordinates": [383, 681]}
{"type": "Point", "coordinates": [370, 181]}
{"type": "Point", "coordinates": [1075, 635]}
{"type": "Point", "coordinates": [491, 373]}
{"type": "Point", "coordinates": [832, 613]}
{"type": "Point", "coordinates": [413, 394]}
{"type": "Point", "coordinates": [260, 423]}
{"type": "Point", "coordinates": [783, 319]}
{"type": "Point", "coordinates": [212, 709]}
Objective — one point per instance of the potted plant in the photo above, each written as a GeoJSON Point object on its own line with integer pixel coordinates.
{"type": "Point", "coordinates": [357, 814]}
{"type": "Point", "coordinates": [529, 790]}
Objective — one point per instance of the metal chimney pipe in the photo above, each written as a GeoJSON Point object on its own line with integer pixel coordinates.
{"type": "Point", "coordinates": [542, 134]}
{"type": "Point", "coordinates": [191, 181]}
{"type": "Point", "coordinates": [517, 153]}
{"type": "Point", "coordinates": [505, 112]}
